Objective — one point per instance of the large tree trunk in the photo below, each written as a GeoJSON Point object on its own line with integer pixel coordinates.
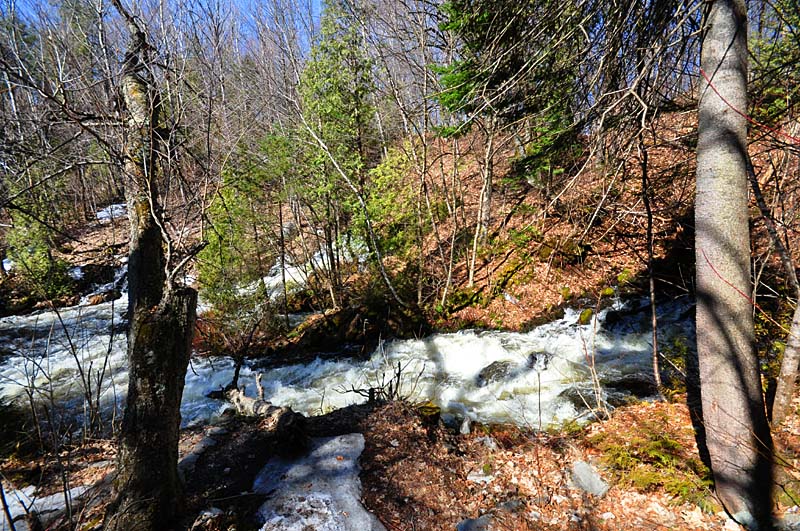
{"type": "Point", "coordinates": [147, 490]}
{"type": "Point", "coordinates": [735, 420]}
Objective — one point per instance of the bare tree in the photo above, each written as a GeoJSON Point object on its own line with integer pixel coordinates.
{"type": "Point", "coordinates": [147, 488]}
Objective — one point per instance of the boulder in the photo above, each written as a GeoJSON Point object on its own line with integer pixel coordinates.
{"type": "Point", "coordinates": [538, 361]}
{"type": "Point", "coordinates": [586, 478]}
{"type": "Point", "coordinates": [496, 371]}
{"type": "Point", "coordinates": [212, 519]}
{"type": "Point", "coordinates": [484, 523]}
{"type": "Point", "coordinates": [104, 297]}
{"type": "Point", "coordinates": [640, 385]}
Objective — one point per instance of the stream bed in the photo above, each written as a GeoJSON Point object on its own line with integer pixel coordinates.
{"type": "Point", "coordinates": [533, 379]}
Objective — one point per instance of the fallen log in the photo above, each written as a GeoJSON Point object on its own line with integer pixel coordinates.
{"type": "Point", "coordinates": [287, 426]}
{"type": "Point", "coordinates": [252, 407]}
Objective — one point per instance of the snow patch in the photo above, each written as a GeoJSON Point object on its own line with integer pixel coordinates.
{"type": "Point", "coordinates": [115, 211]}
{"type": "Point", "coordinates": [22, 501]}
{"type": "Point", "coordinates": [321, 491]}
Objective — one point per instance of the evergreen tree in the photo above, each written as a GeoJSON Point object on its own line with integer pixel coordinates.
{"type": "Point", "coordinates": [334, 86]}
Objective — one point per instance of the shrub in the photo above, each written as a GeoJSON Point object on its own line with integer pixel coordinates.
{"type": "Point", "coordinates": [30, 248]}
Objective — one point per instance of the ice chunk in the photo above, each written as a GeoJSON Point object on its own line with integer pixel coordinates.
{"type": "Point", "coordinates": [321, 491]}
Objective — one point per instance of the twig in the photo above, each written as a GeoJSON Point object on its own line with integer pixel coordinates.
{"type": "Point", "coordinates": [6, 510]}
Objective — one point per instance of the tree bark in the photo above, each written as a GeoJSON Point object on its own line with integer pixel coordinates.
{"type": "Point", "coordinates": [147, 489]}
{"type": "Point", "coordinates": [737, 432]}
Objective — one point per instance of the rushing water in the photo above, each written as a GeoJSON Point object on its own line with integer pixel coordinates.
{"type": "Point", "coordinates": [537, 378]}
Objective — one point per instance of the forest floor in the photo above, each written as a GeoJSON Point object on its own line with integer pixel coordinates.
{"type": "Point", "coordinates": [419, 475]}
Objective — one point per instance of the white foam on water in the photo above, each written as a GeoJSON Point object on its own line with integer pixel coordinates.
{"type": "Point", "coordinates": [488, 376]}
{"type": "Point", "coordinates": [203, 376]}
{"type": "Point", "coordinates": [42, 356]}
{"type": "Point", "coordinates": [47, 352]}
{"type": "Point", "coordinates": [539, 370]}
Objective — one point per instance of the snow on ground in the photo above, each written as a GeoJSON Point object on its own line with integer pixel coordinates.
{"type": "Point", "coordinates": [76, 273]}
{"type": "Point", "coordinates": [20, 502]}
{"type": "Point", "coordinates": [117, 210]}
{"type": "Point", "coordinates": [321, 491]}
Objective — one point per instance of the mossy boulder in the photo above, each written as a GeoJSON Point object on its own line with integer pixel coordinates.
{"type": "Point", "coordinates": [566, 252]}
{"type": "Point", "coordinates": [429, 412]}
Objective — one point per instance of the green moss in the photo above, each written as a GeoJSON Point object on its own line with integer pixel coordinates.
{"type": "Point", "coordinates": [586, 316]}
{"type": "Point", "coordinates": [92, 524]}
{"type": "Point", "coordinates": [545, 251]}
{"type": "Point", "coordinates": [525, 236]}
{"type": "Point", "coordinates": [625, 277]}
{"type": "Point", "coordinates": [461, 298]}
{"type": "Point", "coordinates": [676, 351]}
{"type": "Point", "coordinates": [429, 411]}
{"type": "Point", "coordinates": [650, 458]}
{"type": "Point", "coordinates": [788, 495]}
{"type": "Point", "coordinates": [607, 292]}
{"type": "Point", "coordinates": [570, 427]}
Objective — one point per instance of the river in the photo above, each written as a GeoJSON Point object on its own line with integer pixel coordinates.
{"type": "Point", "coordinates": [536, 379]}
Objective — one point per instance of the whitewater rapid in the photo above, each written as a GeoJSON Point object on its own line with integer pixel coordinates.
{"type": "Point", "coordinates": [535, 379]}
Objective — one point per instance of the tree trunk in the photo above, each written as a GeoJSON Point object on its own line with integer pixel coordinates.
{"type": "Point", "coordinates": [644, 161]}
{"type": "Point", "coordinates": [147, 490]}
{"type": "Point", "coordinates": [737, 432]}
{"type": "Point", "coordinates": [485, 201]}
{"type": "Point", "coordinates": [788, 374]}
{"type": "Point", "coordinates": [791, 354]}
